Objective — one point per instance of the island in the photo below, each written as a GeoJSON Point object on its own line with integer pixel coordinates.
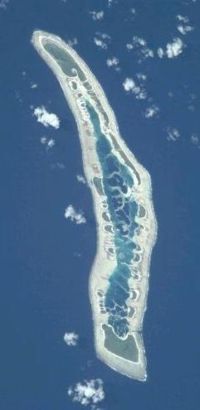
{"type": "Point", "coordinates": [123, 207]}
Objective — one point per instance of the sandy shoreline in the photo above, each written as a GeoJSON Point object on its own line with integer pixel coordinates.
{"type": "Point", "coordinates": [143, 195]}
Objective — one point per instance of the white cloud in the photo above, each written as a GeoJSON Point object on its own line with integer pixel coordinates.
{"type": "Point", "coordinates": [175, 48]}
{"type": "Point", "coordinates": [183, 19]}
{"type": "Point", "coordinates": [48, 142]}
{"type": "Point", "coordinates": [80, 178]}
{"type": "Point", "coordinates": [51, 143]}
{"type": "Point", "coordinates": [194, 139]}
{"type": "Point", "coordinates": [105, 36]}
{"type": "Point", "coordinates": [72, 42]}
{"type": "Point", "coordinates": [184, 26]}
{"type": "Point", "coordinates": [152, 111]}
{"type": "Point", "coordinates": [172, 50]}
{"type": "Point", "coordinates": [173, 134]}
{"type": "Point", "coordinates": [34, 85]}
{"type": "Point", "coordinates": [100, 43]}
{"type": "Point", "coordinates": [88, 393]}
{"type": "Point", "coordinates": [110, 2]}
{"type": "Point", "coordinates": [113, 62]}
{"type": "Point", "coordinates": [142, 77]}
{"type": "Point", "coordinates": [132, 14]}
{"type": "Point", "coordinates": [74, 216]}
{"type": "Point", "coordinates": [160, 52]}
{"type": "Point", "coordinates": [4, 4]}
{"type": "Point", "coordinates": [71, 338]}
{"type": "Point", "coordinates": [139, 44]}
{"type": "Point", "coordinates": [141, 95]}
{"type": "Point", "coordinates": [97, 15]}
{"type": "Point", "coordinates": [129, 46]}
{"type": "Point", "coordinates": [184, 29]}
{"type": "Point", "coordinates": [46, 118]}
{"type": "Point", "coordinates": [139, 41]}
{"type": "Point", "coordinates": [43, 140]}
{"type": "Point", "coordinates": [102, 40]}
{"type": "Point", "coordinates": [130, 85]}
{"type": "Point", "coordinates": [60, 165]}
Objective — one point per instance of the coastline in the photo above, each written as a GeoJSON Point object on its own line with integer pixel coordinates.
{"type": "Point", "coordinates": [135, 370]}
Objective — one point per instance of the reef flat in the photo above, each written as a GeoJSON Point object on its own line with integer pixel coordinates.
{"type": "Point", "coordinates": [126, 222]}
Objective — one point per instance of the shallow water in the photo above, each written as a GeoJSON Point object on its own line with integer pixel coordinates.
{"type": "Point", "coordinates": [124, 226]}
{"type": "Point", "coordinates": [44, 283]}
{"type": "Point", "coordinates": [65, 61]}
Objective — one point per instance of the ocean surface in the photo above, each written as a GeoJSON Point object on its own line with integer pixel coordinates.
{"type": "Point", "coordinates": [45, 258]}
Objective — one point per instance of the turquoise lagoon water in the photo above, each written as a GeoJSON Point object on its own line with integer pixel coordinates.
{"type": "Point", "coordinates": [116, 179]}
{"type": "Point", "coordinates": [115, 176]}
{"type": "Point", "coordinates": [44, 287]}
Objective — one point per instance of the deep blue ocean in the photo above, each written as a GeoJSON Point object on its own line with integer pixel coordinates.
{"type": "Point", "coordinates": [46, 259]}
